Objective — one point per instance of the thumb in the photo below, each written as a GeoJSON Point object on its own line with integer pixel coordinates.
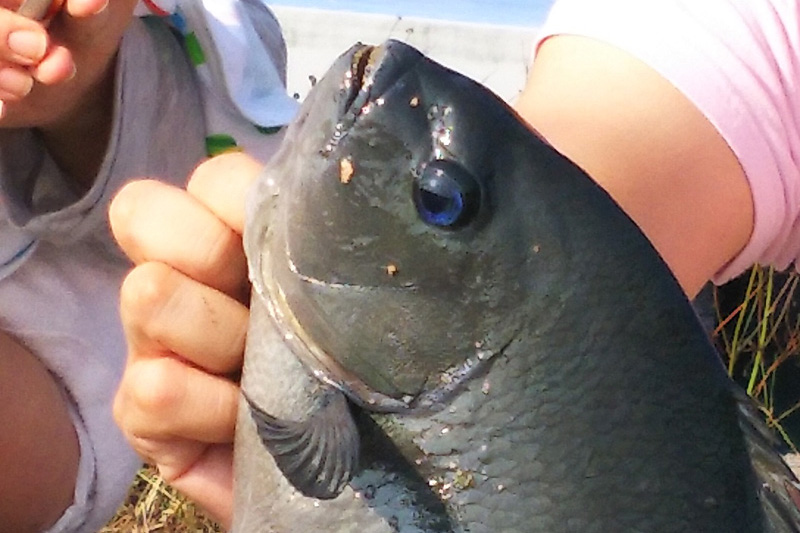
{"type": "Point", "coordinates": [84, 8]}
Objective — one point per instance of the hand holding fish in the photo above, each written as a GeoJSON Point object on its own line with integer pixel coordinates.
{"type": "Point", "coordinates": [185, 324]}
{"type": "Point", "coordinates": [421, 264]}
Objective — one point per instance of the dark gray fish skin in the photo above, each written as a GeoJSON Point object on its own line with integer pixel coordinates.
{"type": "Point", "coordinates": [586, 397]}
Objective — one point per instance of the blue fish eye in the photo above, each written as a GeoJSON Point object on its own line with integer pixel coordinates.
{"type": "Point", "coordinates": [446, 195]}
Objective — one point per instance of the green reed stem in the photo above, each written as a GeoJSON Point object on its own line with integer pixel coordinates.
{"type": "Point", "coordinates": [739, 322]}
{"type": "Point", "coordinates": [762, 337]}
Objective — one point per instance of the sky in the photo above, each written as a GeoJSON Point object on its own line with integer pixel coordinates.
{"type": "Point", "coordinates": [529, 13]}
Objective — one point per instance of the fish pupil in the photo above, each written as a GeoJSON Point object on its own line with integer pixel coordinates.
{"type": "Point", "coordinates": [446, 195]}
{"type": "Point", "coordinates": [441, 210]}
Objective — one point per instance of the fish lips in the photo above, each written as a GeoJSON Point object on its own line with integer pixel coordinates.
{"type": "Point", "coordinates": [368, 72]}
{"type": "Point", "coordinates": [357, 79]}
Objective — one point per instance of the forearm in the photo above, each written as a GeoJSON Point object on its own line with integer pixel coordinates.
{"type": "Point", "coordinates": [38, 478]}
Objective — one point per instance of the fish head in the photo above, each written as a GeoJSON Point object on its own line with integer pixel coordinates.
{"type": "Point", "coordinates": [396, 234]}
{"type": "Point", "coordinates": [414, 233]}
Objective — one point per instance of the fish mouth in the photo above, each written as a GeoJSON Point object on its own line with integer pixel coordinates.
{"type": "Point", "coordinates": [357, 79]}
{"type": "Point", "coordinates": [372, 71]}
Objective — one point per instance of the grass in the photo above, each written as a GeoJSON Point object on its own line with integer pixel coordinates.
{"type": "Point", "coordinates": [153, 506]}
{"type": "Point", "coordinates": [758, 334]}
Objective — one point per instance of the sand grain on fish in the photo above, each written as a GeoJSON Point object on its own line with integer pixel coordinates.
{"type": "Point", "coordinates": [346, 170]}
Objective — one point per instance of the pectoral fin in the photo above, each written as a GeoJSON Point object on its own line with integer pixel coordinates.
{"type": "Point", "coordinates": [319, 454]}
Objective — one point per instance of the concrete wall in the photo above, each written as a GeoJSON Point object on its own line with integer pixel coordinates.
{"type": "Point", "coordinates": [497, 56]}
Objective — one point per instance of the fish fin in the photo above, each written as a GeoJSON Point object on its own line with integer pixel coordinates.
{"type": "Point", "coordinates": [318, 455]}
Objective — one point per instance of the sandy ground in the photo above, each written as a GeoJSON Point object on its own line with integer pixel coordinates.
{"type": "Point", "coordinates": [497, 56]}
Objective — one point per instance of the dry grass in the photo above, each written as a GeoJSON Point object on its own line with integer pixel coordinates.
{"type": "Point", "coordinates": [153, 506]}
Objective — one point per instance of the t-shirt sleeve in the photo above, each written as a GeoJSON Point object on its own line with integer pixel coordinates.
{"type": "Point", "coordinates": [738, 62]}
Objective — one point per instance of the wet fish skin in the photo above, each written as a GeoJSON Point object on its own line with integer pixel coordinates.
{"type": "Point", "coordinates": [602, 405]}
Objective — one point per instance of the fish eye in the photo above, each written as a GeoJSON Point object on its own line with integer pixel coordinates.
{"type": "Point", "coordinates": [446, 195]}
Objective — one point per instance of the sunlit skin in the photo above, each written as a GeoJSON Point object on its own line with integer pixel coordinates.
{"type": "Point", "coordinates": [649, 147]}
{"type": "Point", "coordinates": [64, 91]}
{"type": "Point", "coordinates": [678, 180]}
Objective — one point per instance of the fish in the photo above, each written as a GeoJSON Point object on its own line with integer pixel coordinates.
{"type": "Point", "coordinates": [455, 329]}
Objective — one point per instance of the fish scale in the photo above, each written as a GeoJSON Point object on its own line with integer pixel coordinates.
{"type": "Point", "coordinates": [527, 365]}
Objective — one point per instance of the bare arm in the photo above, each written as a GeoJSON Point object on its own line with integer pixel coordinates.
{"type": "Point", "coordinates": [38, 478]}
{"type": "Point", "coordinates": [648, 146]}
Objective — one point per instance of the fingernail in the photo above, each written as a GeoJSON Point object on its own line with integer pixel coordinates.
{"type": "Point", "coordinates": [2, 109]}
{"type": "Point", "coordinates": [29, 44]}
{"type": "Point", "coordinates": [15, 82]}
{"type": "Point", "coordinates": [102, 8]}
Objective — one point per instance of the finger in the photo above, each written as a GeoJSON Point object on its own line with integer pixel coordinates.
{"type": "Point", "coordinates": [209, 482]}
{"type": "Point", "coordinates": [153, 221]}
{"type": "Point", "coordinates": [172, 456]}
{"type": "Point", "coordinates": [163, 399]}
{"type": "Point", "coordinates": [22, 40]}
{"type": "Point", "coordinates": [15, 83]}
{"type": "Point", "coordinates": [222, 183]}
{"type": "Point", "coordinates": [85, 8]}
{"type": "Point", "coordinates": [166, 312]}
{"type": "Point", "coordinates": [200, 471]}
{"type": "Point", "coordinates": [57, 66]}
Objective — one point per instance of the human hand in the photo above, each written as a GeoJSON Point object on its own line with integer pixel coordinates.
{"type": "Point", "coordinates": [71, 51]}
{"type": "Point", "coordinates": [72, 105]}
{"type": "Point", "coordinates": [185, 319]}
